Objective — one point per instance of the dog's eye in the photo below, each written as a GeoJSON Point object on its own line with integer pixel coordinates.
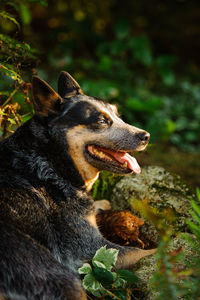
{"type": "Point", "coordinates": [101, 121]}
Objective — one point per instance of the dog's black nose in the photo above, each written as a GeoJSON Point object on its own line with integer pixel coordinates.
{"type": "Point", "coordinates": [144, 136]}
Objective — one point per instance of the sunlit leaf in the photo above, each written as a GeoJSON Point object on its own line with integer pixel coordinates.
{"type": "Point", "coordinates": [7, 16]}
{"type": "Point", "coordinates": [85, 269]}
{"type": "Point", "coordinates": [98, 264]}
{"type": "Point", "coordinates": [106, 256]}
{"type": "Point", "coordinates": [25, 13]}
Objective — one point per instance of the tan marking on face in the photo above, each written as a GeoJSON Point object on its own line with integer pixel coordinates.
{"type": "Point", "coordinates": [92, 220]}
{"type": "Point", "coordinates": [77, 139]}
{"type": "Point", "coordinates": [132, 257]}
{"type": "Point", "coordinates": [115, 109]}
{"type": "Point", "coordinates": [101, 108]}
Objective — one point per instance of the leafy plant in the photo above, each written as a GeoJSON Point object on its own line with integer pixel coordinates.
{"type": "Point", "coordinates": [101, 278]}
{"type": "Point", "coordinates": [16, 58]}
{"type": "Point", "coordinates": [103, 187]}
{"type": "Point", "coordinates": [194, 241]}
{"type": "Point", "coordinates": [171, 281]}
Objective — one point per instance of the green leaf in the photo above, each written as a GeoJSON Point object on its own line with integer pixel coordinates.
{"type": "Point", "coordinates": [198, 193]}
{"type": "Point", "coordinates": [12, 74]}
{"type": "Point", "coordinates": [12, 121]}
{"type": "Point", "coordinates": [119, 283]}
{"type": "Point", "coordinates": [195, 217]}
{"type": "Point", "coordinates": [106, 256]}
{"type": "Point", "coordinates": [105, 63]}
{"type": "Point", "coordinates": [7, 16]}
{"type": "Point", "coordinates": [121, 294]}
{"type": "Point", "coordinates": [166, 61]}
{"type": "Point", "coordinates": [104, 276]}
{"type": "Point", "coordinates": [127, 276]}
{"type": "Point", "coordinates": [2, 113]}
{"type": "Point", "coordinates": [195, 207]}
{"type": "Point", "coordinates": [26, 117]}
{"type": "Point", "coordinates": [91, 285]}
{"type": "Point", "coordinates": [194, 228]}
{"type": "Point", "coordinates": [141, 49]}
{"type": "Point", "coordinates": [85, 269]}
{"type": "Point", "coordinates": [168, 76]}
{"type": "Point", "coordinates": [98, 264]}
{"type": "Point", "coordinates": [25, 13]}
{"type": "Point", "coordinates": [95, 293]}
{"type": "Point", "coordinates": [89, 282]}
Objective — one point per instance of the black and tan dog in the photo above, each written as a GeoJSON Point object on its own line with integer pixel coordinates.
{"type": "Point", "coordinates": [47, 219]}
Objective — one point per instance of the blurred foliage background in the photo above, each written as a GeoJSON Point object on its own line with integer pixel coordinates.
{"type": "Point", "coordinates": [142, 55]}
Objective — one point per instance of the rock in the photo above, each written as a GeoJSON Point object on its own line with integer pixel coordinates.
{"type": "Point", "coordinates": [162, 189]}
{"type": "Point", "coordinates": [146, 267]}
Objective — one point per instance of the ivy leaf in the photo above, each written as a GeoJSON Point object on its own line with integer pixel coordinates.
{"type": "Point", "coordinates": [85, 269]}
{"type": "Point", "coordinates": [119, 283]}
{"type": "Point", "coordinates": [91, 285]}
{"type": "Point", "coordinates": [103, 276]}
{"type": "Point", "coordinates": [127, 276]}
{"type": "Point", "coordinates": [106, 256]}
{"type": "Point", "coordinates": [89, 282]}
{"type": "Point", "coordinates": [98, 264]}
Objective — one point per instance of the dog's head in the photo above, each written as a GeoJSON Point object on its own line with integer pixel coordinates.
{"type": "Point", "coordinates": [96, 136]}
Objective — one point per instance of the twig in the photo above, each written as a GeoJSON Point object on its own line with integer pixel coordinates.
{"type": "Point", "coordinates": [10, 97]}
{"type": "Point", "coordinates": [113, 295]}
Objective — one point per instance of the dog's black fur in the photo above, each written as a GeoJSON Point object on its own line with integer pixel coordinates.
{"type": "Point", "coordinates": [47, 218]}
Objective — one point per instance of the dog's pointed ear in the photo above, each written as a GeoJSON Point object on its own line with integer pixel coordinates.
{"type": "Point", "coordinates": [45, 99]}
{"type": "Point", "coordinates": [67, 86]}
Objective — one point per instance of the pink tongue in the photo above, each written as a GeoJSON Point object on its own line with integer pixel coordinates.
{"type": "Point", "coordinates": [123, 157]}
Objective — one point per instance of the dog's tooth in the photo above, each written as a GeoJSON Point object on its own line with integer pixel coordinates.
{"type": "Point", "coordinates": [125, 165]}
{"type": "Point", "coordinates": [101, 154]}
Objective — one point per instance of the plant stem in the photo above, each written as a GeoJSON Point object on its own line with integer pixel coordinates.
{"type": "Point", "coordinates": [113, 295]}
{"type": "Point", "coordinates": [10, 97]}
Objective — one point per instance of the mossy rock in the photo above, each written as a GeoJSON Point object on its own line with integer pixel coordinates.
{"type": "Point", "coordinates": [162, 189]}
{"type": "Point", "coordinates": [146, 267]}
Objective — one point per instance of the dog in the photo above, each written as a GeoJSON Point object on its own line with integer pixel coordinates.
{"type": "Point", "coordinates": [47, 168]}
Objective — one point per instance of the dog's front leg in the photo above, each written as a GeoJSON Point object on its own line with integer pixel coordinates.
{"type": "Point", "coordinates": [132, 256]}
{"type": "Point", "coordinates": [128, 256]}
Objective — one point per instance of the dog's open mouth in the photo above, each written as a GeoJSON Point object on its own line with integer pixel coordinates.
{"type": "Point", "coordinates": [117, 159]}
